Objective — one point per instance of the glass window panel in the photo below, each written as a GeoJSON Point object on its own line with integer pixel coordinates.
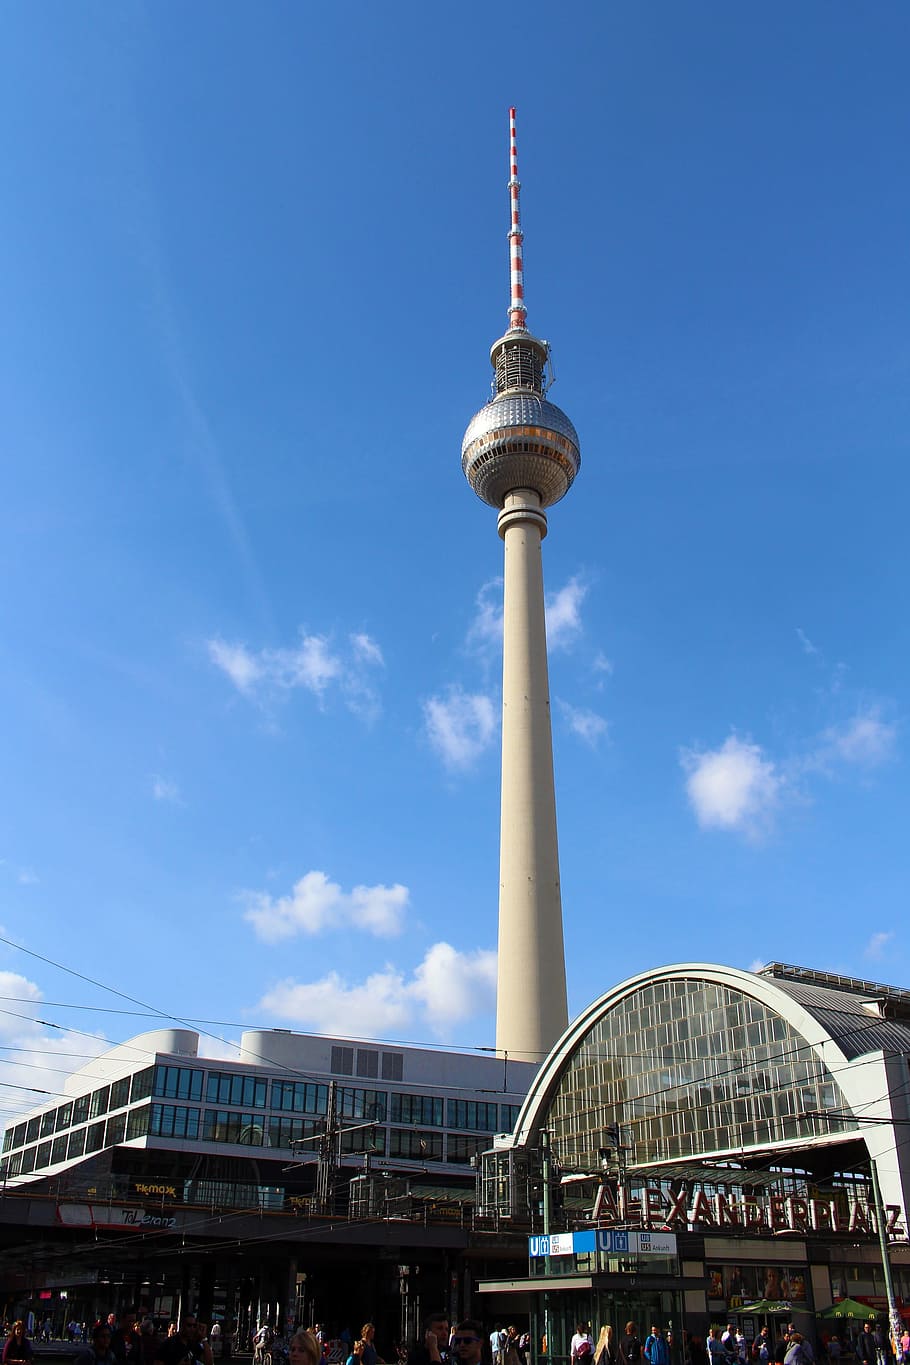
{"type": "Point", "coordinates": [120, 1093]}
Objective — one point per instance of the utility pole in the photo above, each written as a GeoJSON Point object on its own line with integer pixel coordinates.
{"type": "Point", "coordinates": [327, 1165]}
{"type": "Point", "coordinates": [894, 1316]}
{"type": "Point", "coordinates": [545, 1176]}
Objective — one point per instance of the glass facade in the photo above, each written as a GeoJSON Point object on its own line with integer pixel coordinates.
{"type": "Point", "coordinates": [290, 1112]}
{"type": "Point", "coordinates": [690, 1067]}
{"type": "Point", "coordinates": [475, 1115]}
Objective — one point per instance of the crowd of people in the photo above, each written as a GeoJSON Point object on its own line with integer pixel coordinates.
{"type": "Point", "coordinates": [136, 1340]}
{"type": "Point", "coordinates": [729, 1346]}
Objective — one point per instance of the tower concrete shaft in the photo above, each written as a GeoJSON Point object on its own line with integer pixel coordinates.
{"type": "Point", "coordinates": [520, 454]}
{"type": "Point", "coordinates": [531, 1006]}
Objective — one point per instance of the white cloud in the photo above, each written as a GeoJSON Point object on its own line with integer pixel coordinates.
{"type": "Point", "coordinates": [807, 645]}
{"type": "Point", "coordinates": [865, 740]}
{"type": "Point", "coordinates": [218, 1049]}
{"type": "Point", "coordinates": [367, 648]}
{"type": "Point", "coordinates": [163, 789]}
{"type": "Point", "coordinates": [756, 964]}
{"type": "Point", "coordinates": [317, 904]}
{"type": "Point", "coordinates": [312, 665]}
{"type": "Point", "coordinates": [34, 1059]}
{"type": "Point", "coordinates": [486, 628]}
{"type": "Point", "coordinates": [877, 944]}
{"type": "Point", "coordinates": [460, 725]}
{"type": "Point", "coordinates": [446, 988]}
{"type": "Point", "coordinates": [733, 787]}
{"type": "Point", "coordinates": [453, 986]}
{"type": "Point", "coordinates": [237, 662]}
{"type": "Point", "coordinates": [588, 725]}
{"type": "Point", "coordinates": [602, 664]}
{"type": "Point", "coordinates": [564, 614]}
{"type": "Point", "coordinates": [26, 877]}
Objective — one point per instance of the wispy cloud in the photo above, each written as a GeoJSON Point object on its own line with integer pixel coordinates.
{"type": "Point", "coordinates": [807, 646]}
{"type": "Point", "coordinates": [237, 662]}
{"type": "Point", "coordinates": [875, 948]}
{"type": "Point", "coordinates": [866, 739]}
{"type": "Point", "coordinates": [447, 987]}
{"type": "Point", "coordinates": [26, 877]}
{"type": "Point", "coordinates": [564, 614]}
{"type": "Point", "coordinates": [587, 725]}
{"type": "Point", "coordinates": [562, 608]}
{"type": "Point", "coordinates": [734, 787]}
{"type": "Point", "coordinates": [756, 964]}
{"type": "Point", "coordinates": [33, 1058]}
{"type": "Point", "coordinates": [460, 726]}
{"type": "Point", "coordinates": [316, 905]}
{"type": "Point", "coordinates": [314, 665]}
{"type": "Point", "coordinates": [164, 789]}
{"type": "Point", "coordinates": [485, 632]}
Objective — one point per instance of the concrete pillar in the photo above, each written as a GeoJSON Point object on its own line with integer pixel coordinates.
{"type": "Point", "coordinates": [531, 1005]}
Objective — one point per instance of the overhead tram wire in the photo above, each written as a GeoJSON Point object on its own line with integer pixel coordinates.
{"type": "Point", "coordinates": [154, 1235]}
{"type": "Point", "coordinates": [176, 1019]}
{"type": "Point", "coordinates": [785, 1055]}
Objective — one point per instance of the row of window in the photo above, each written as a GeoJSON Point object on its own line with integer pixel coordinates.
{"type": "Point", "coordinates": [252, 1092]}
{"type": "Point", "coordinates": [80, 1142]}
{"type": "Point", "coordinates": [104, 1100]}
{"type": "Point", "coordinates": [245, 1129]}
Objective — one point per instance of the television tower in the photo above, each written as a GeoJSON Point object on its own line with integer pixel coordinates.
{"type": "Point", "coordinates": [520, 454]}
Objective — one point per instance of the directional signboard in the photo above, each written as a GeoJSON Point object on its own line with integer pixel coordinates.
{"type": "Point", "coordinates": [611, 1241]}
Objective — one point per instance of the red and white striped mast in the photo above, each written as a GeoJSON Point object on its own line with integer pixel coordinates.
{"type": "Point", "coordinates": [517, 311]}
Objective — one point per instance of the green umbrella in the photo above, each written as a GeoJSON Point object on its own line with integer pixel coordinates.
{"type": "Point", "coordinates": [765, 1306]}
{"type": "Point", "coordinates": [849, 1308]}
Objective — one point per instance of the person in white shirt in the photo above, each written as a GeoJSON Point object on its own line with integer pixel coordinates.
{"type": "Point", "coordinates": [581, 1335]}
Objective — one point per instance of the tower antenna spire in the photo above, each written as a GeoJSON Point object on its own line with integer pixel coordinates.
{"type": "Point", "coordinates": [517, 311]}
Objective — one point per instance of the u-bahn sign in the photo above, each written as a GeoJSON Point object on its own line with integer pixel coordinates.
{"type": "Point", "coordinates": [612, 1241]}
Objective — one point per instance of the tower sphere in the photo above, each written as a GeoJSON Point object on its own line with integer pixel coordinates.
{"type": "Point", "coordinates": [519, 440]}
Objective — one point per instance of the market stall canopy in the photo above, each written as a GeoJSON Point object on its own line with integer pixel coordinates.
{"type": "Point", "coordinates": [766, 1306]}
{"type": "Point", "coordinates": [849, 1308]}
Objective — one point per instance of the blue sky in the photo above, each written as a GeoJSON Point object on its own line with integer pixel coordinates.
{"type": "Point", "coordinates": [254, 258]}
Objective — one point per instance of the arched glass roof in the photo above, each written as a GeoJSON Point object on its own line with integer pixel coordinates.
{"type": "Point", "coordinates": [690, 1063]}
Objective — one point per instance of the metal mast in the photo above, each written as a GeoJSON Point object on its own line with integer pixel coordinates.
{"type": "Point", "coordinates": [520, 454]}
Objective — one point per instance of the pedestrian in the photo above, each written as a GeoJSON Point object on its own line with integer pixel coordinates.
{"type": "Point", "coordinates": [795, 1354]}
{"type": "Point", "coordinates": [17, 1346]}
{"type": "Point", "coordinates": [656, 1349]}
{"type": "Point", "coordinates": [581, 1338]}
{"type": "Point", "coordinates": [434, 1348]}
{"type": "Point", "coordinates": [467, 1342]}
{"type": "Point", "coordinates": [99, 1351]}
{"type": "Point", "coordinates": [606, 1352]}
{"type": "Point", "coordinates": [369, 1356]}
{"type": "Point", "coordinates": [630, 1346]}
{"type": "Point", "coordinates": [717, 1353]}
{"type": "Point", "coordinates": [303, 1348]}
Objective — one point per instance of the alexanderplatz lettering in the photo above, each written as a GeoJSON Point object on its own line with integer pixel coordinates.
{"type": "Point", "coordinates": [657, 1208]}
